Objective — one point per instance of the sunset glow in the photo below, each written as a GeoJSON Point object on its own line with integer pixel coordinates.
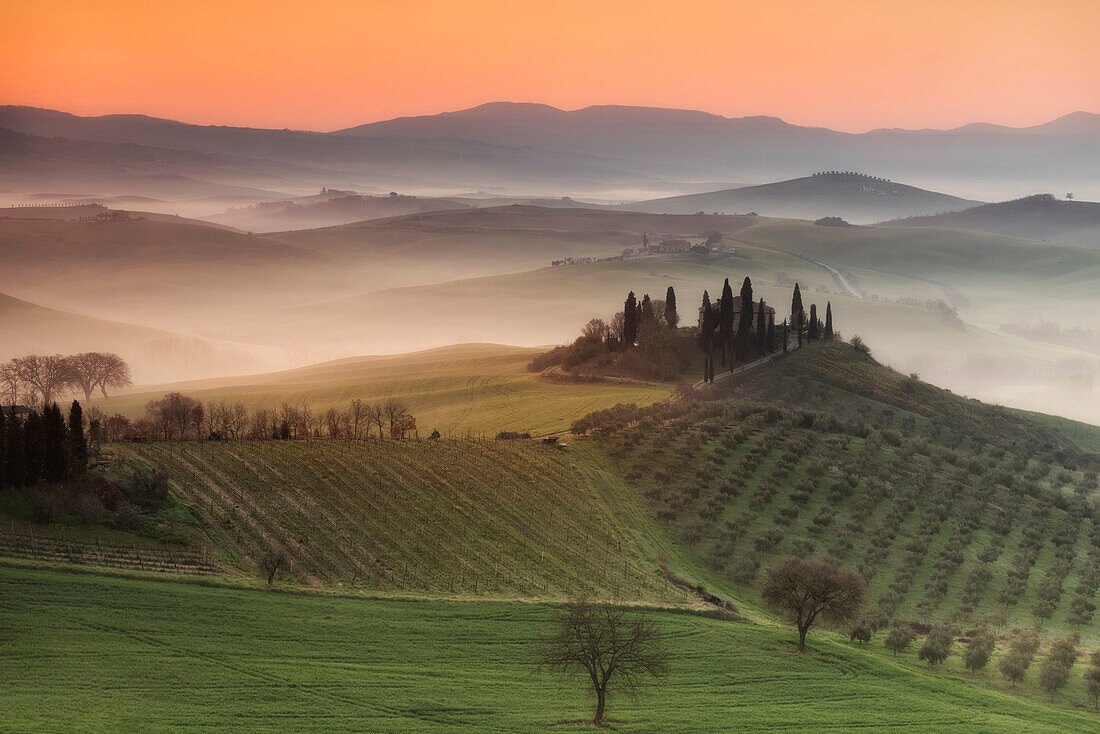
{"type": "Point", "coordinates": [849, 65]}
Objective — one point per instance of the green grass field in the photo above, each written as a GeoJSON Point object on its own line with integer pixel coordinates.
{"type": "Point", "coordinates": [89, 653]}
{"type": "Point", "coordinates": [467, 389]}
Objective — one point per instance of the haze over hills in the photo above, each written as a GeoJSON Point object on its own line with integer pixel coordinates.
{"type": "Point", "coordinates": [1039, 217]}
{"type": "Point", "coordinates": [855, 197]}
{"type": "Point", "coordinates": [613, 151]}
{"type": "Point", "coordinates": [969, 159]}
{"type": "Point", "coordinates": [29, 328]}
{"type": "Point", "coordinates": [329, 208]}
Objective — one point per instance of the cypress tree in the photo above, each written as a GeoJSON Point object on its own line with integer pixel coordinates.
{"type": "Point", "coordinates": [671, 317]}
{"type": "Point", "coordinates": [743, 339]}
{"type": "Point", "coordinates": [630, 320]}
{"type": "Point", "coordinates": [78, 446]}
{"type": "Point", "coordinates": [725, 321]}
{"type": "Point", "coordinates": [828, 319]}
{"type": "Point", "coordinates": [761, 330]}
{"type": "Point", "coordinates": [16, 454]}
{"type": "Point", "coordinates": [706, 338]}
{"type": "Point", "coordinates": [55, 466]}
{"type": "Point", "coordinates": [784, 336]}
{"type": "Point", "coordinates": [646, 320]}
{"type": "Point", "coordinates": [813, 321]}
{"type": "Point", "coordinates": [796, 309]}
{"type": "Point", "coordinates": [33, 450]}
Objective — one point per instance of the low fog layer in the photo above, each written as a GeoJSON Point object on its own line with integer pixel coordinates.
{"type": "Point", "coordinates": [1003, 319]}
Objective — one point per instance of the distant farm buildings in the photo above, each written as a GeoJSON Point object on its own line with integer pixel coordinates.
{"type": "Point", "coordinates": [671, 246]}
{"type": "Point", "coordinates": [107, 216]}
{"type": "Point", "coordinates": [572, 261]}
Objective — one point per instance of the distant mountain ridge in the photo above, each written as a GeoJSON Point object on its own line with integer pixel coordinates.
{"type": "Point", "coordinates": [513, 148]}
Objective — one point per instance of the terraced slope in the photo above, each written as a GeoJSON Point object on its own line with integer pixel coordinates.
{"type": "Point", "coordinates": [491, 518]}
{"type": "Point", "coordinates": [949, 509]}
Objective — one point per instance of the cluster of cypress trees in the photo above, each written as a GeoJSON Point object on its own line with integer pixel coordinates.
{"type": "Point", "coordinates": [760, 333]}
{"type": "Point", "coordinates": [42, 446]}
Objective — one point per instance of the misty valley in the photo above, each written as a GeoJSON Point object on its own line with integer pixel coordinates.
{"type": "Point", "coordinates": [397, 412]}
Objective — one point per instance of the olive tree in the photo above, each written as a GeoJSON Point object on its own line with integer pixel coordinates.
{"type": "Point", "coordinates": [898, 639]}
{"type": "Point", "coordinates": [805, 589]}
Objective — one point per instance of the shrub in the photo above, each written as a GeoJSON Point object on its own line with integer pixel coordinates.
{"type": "Point", "coordinates": [45, 507]}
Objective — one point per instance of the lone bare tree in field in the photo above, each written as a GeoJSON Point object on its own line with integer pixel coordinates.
{"type": "Point", "coordinates": [613, 651]}
{"type": "Point", "coordinates": [806, 589]}
{"type": "Point", "coordinates": [271, 562]}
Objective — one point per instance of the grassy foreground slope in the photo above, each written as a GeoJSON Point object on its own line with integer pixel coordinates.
{"type": "Point", "coordinates": [87, 653]}
{"type": "Point", "coordinates": [462, 389]}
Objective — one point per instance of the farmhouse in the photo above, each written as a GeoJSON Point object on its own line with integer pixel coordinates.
{"type": "Point", "coordinates": [671, 246]}
{"type": "Point", "coordinates": [14, 410]}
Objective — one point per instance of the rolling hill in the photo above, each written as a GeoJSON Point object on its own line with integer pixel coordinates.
{"type": "Point", "coordinates": [466, 389]}
{"type": "Point", "coordinates": [948, 508]}
{"type": "Point", "coordinates": [1039, 217]}
{"type": "Point", "coordinates": [854, 197]}
{"type": "Point", "coordinates": [326, 210]}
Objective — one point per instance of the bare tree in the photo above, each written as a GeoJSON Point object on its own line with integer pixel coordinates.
{"type": "Point", "coordinates": [111, 371]}
{"type": "Point", "coordinates": [45, 375]}
{"type": "Point", "coordinates": [805, 589]}
{"type": "Point", "coordinates": [359, 416]}
{"type": "Point", "coordinates": [613, 651]}
{"type": "Point", "coordinates": [262, 424]}
{"type": "Point", "coordinates": [218, 416]}
{"type": "Point", "coordinates": [332, 422]}
{"type": "Point", "coordinates": [173, 412]}
{"type": "Point", "coordinates": [617, 327]}
{"type": "Point", "coordinates": [307, 422]}
{"type": "Point", "coordinates": [394, 410]}
{"type": "Point", "coordinates": [595, 328]}
{"type": "Point", "coordinates": [9, 383]}
{"type": "Point", "coordinates": [197, 418]}
{"type": "Point", "coordinates": [271, 562]}
{"type": "Point", "coordinates": [377, 416]}
{"type": "Point", "coordinates": [237, 416]}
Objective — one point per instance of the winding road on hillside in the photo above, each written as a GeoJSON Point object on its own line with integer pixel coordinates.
{"type": "Point", "coordinates": [840, 278]}
{"type": "Point", "coordinates": [746, 367]}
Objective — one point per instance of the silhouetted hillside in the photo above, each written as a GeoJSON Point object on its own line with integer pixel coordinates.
{"type": "Point", "coordinates": [1034, 217]}
{"type": "Point", "coordinates": [849, 195]}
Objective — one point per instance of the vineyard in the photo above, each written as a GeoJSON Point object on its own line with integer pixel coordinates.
{"type": "Point", "coordinates": [940, 523]}
{"type": "Point", "coordinates": [160, 559]}
{"type": "Point", "coordinates": [497, 518]}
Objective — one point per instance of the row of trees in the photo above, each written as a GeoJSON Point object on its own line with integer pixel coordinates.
{"type": "Point", "coordinates": [179, 416]}
{"type": "Point", "coordinates": [37, 379]}
{"type": "Point", "coordinates": [739, 328]}
{"type": "Point", "coordinates": [41, 446]}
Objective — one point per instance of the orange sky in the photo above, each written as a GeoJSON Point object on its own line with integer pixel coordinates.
{"type": "Point", "coordinates": [323, 65]}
